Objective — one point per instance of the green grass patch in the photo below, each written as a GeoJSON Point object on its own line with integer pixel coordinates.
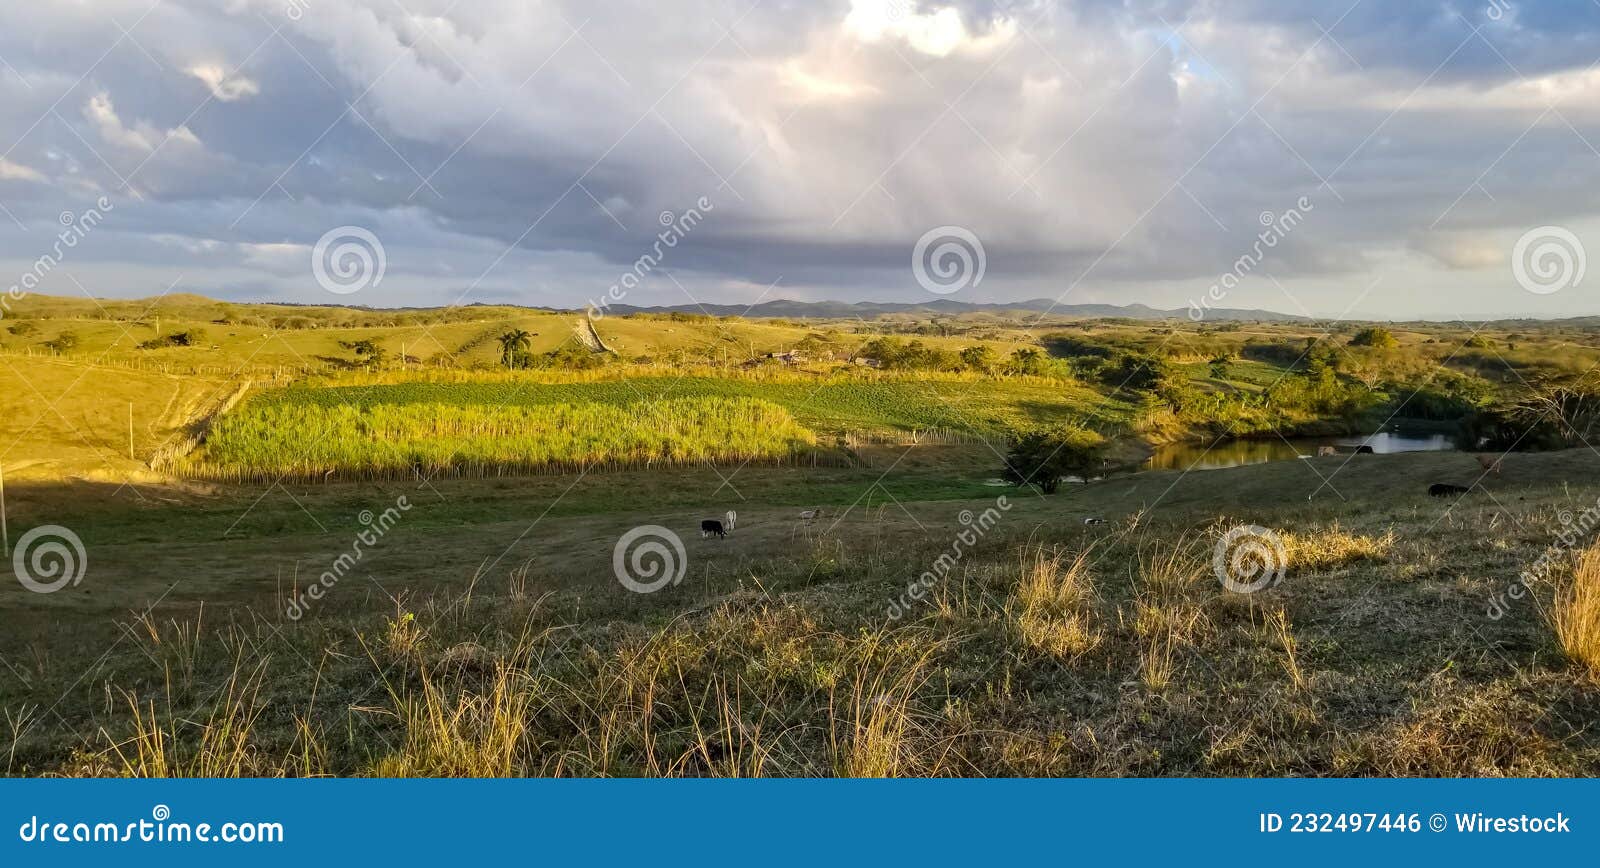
{"type": "Point", "coordinates": [980, 405]}
{"type": "Point", "coordinates": [302, 440]}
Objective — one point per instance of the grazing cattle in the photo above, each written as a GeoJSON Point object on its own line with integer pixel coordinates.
{"type": "Point", "coordinates": [1489, 463]}
{"type": "Point", "coordinates": [1325, 451]}
{"type": "Point", "coordinates": [1364, 449]}
{"type": "Point", "coordinates": [720, 529]}
{"type": "Point", "coordinates": [810, 514]}
{"type": "Point", "coordinates": [1094, 520]}
{"type": "Point", "coordinates": [1445, 489]}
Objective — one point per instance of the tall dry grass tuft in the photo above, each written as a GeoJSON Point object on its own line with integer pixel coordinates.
{"type": "Point", "coordinates": [725, 743]}
{"type": "Point", "coordinates": [1056, 600]}
{"type": "Point", "coordinates": [1280, 628]}
{"type": "Point", "coordinates": [1333, 547]}
{"type": "Point", "coordinates": [1171, 583]}
{"type": "Point", "coordinates": [177, 647]}
{"type": "Point", "coordinates": [1575, 614]}
{"type": "Point", "coordinates": [875, 728]}
{"type": "Point", "coordinates": [452, 730]}
{"type": "Point", "coordinates": [218, 747]}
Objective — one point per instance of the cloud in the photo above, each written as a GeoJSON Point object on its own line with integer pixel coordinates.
{"type": "Point", "coordinates": [1109, 150]}
{"type": "Point", "coordinates": [10, 171]}
{"type": "Point", "coordinates": [223, 86]}
{"type": "Point", "coordinates": [1462, 251]}
{"type": "Point", "coordinates": [938, 32]}
{"type": "Point", "coordinates": [100, 112]}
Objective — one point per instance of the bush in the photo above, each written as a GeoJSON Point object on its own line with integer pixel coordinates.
{"type": "Point", "coordinates": [1376, 336]}
{"type": "Point", "coordinates": [1043, 456]}
{"type": "Point", "coordinates": [62, 343]}
{"type": "Point", "coordinates": [895, 354]}
{"type": "Point", "coordinates": [1137, 371]}
{"type": "Point", "coordinates": [190, 338]}
{"type": "Point", "coordinates": [980, 358]}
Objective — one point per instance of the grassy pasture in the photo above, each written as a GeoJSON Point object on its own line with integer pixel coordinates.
{"type": "Point", "coordinates": [776, 656]}
{"type": "Point", "coordinates": [64, 419]}
{"type": "Point", "coordinates": [487, 632]}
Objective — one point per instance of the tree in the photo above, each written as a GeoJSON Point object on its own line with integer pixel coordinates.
{"type": "Point", "coordinates": [63, 342]}
{"type": "Point", "coordinates": [1028, 361]}
{"type": "Point", "coordinates": [1133, 370]}
{"type": "Point", "coordinates": [980, 358]}
{"type": "Point", "coordinates": [1376, 336]}
{"type": "Point", "coordinates": [1043, 456]}
{"type": "Point", "coordinates": [1221, 366]}
{"type": "Point", "coordinates": [514, 347]}
{"type": "Point", "coordinates": [369, 352]}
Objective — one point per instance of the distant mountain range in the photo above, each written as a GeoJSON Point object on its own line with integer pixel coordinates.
{"type": "Point", "coordinates": [789, 308]}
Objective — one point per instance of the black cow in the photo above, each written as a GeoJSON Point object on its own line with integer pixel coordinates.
{"type": "Point", "coordinates": [1365, 450]}
{"type": "Point", "coordinates": [1445, 489]}
{"type": "Point", "coordinates": [711, 526]}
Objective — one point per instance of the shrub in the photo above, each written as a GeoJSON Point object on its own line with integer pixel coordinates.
{"type": "Point", "coordinates": [1042, 457]}
{"type": "Point", "coordinates": [62, 342]}
{"type": "Point", "coordinates": [979, 358]}
{"type": "Point", "coordinates": [1375, 336]}
{"type": "Point", "coordinates": [192, 337]}
{"type": "Point", "coordinates": [896, 354]}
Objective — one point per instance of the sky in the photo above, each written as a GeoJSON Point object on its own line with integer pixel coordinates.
{"type": "Point", "coordinates": [1345, 158]}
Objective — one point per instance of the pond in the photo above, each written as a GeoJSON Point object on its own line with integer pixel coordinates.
{"type": "Point", "coordinates": [1236, 453]}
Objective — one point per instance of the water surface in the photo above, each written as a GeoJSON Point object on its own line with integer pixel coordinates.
{"type": "Point", "coordinates": [1237, 453]}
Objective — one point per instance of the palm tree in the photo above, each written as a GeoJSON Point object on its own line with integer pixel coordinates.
{"type": "Point", "coordinates": [513, 343]}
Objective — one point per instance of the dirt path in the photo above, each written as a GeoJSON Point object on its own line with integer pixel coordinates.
{"type": "Point", "coordinates": [589, 337]}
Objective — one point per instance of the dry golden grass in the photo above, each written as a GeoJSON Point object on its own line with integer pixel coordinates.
{"type": "Point", "coordinates": [1037, 659]}
{"type": "Point", "coordinates": [1279, 627]}
{"type": "Point", "coordinates": [1171, 583]}
{"type": "Point", "coordinates": [1575, 612]}
{"type": "Point", "coordinates": [1055, 599]}
{"type": "Point", "coordinates": [1458, 730]}
{"type": "Point", "coordinates": [222, 748]}
{"type": "Point", "coordinates": [1333, 547]}
{"type": "Point", "coordinates": [473, 733]}
{"type": "Point", "coordinates": [875, 730]}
